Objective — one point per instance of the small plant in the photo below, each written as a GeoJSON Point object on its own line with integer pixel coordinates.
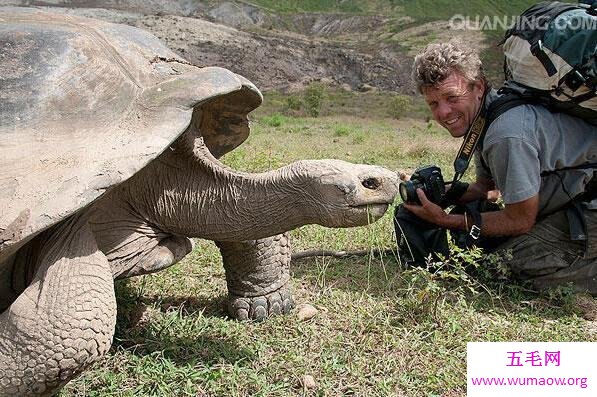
{"type": "Point", "coordinates": [293, 103]}
{"type": "Point", "coordinates": [313, 98]}
{"type": "Point", "coordinates": [441, 282]}
{"type": "Point", "coordinates": [494, 266]}
{"type": "Point", "coordinates": [564, 295]}
{"type": "Point", "coordinates": [341, 130]}
{"type": "Point", "coordinates": [358, 137]}
{"type": "Point", "coordinates": [265, 160]}
{"type": "Point", "coordinates": [399, 105]}
{"type": "Point", "coordinates": [275, 120]}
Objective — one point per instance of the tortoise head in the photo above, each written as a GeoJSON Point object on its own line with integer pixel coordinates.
{"type": "Point", "coordinates": [343, 194]}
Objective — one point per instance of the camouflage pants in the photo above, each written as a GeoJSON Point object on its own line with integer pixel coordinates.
{"type": "Point", "coordinates": [547, 256]}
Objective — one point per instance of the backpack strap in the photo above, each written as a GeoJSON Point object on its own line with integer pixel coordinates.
{"type": "Point", "coordinates": [585, 166]}
{"type": "Point", "coordinates": [541, 55]}
{"type": "Point", "coordinates": [476, 133]}
{"type": "Point", "coordinates": [592, 10]}
{"type": "Point", "coordinates": [505, 102]}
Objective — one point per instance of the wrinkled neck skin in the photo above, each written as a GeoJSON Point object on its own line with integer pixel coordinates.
{"type": "Point", "coordinates": [186, 191]}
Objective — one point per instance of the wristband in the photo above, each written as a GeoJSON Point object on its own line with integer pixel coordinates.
{"type": "Point", "coordinates": [475, 231]}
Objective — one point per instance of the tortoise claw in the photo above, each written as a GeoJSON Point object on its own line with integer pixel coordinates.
{"type": "Point", "coordinates": [259, 308]}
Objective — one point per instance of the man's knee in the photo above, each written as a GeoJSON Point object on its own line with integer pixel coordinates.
{"type": "Point", "coordinates": [582, 275]}
{"type": "Point", "coordinates": [547, 256]}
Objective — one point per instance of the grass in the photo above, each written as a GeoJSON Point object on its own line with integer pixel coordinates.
{"type": "Point", "coordinates": [432, 10]}
{"type": "Point", "coordinates": [339, 102]}
{"type": "Point", "coordinates": [381, 329]}
{"type": "Point", "coordinates": [294, 6]}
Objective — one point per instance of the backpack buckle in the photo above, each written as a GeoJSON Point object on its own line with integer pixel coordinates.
{"type": "Point", "coordinates": [536, 47]}
{"type": "Point", "coordinates": [575, 79]}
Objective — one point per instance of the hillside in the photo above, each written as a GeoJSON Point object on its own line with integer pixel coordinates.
{"type": "Point", "coordinates": [284, 45]}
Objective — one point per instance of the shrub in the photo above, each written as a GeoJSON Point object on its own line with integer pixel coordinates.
{"type": "Point", "coordinates": [275, 120]}
{"type": "Point", "coordinates": [293, 103]}
{"type": "Point", "coordinates": [313, 98]}
{"type": "Point", "coordinates": [399, 105]}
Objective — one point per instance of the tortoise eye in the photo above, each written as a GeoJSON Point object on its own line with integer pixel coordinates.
{"type": "Point", "coordinates": [371, 183]}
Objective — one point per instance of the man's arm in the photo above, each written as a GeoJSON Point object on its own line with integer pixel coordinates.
{"type": "Point", "coordinates": [514, 220]}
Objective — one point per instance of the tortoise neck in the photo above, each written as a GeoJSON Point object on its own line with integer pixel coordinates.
{"type": "Point", "coordinates": [198, 196]}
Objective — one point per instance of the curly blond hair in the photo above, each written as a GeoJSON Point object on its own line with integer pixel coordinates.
{"type": "Point", "coordinates": [438, 60]}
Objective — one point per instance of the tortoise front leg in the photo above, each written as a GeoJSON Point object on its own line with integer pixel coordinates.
{"type": "Point", "coordinates": [64, 320]}
{"type": "Point", "coordinates": [257, 274]}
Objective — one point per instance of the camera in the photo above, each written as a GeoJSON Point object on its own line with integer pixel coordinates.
{"type": "Point", "coordinates": [430, 179]}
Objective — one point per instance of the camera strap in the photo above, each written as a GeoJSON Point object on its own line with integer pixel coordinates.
{"type": "Point", "coordinates": [475, 133]}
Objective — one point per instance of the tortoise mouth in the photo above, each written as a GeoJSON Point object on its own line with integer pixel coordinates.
{"type": "Point", "coordinates": [373, 203]}
{"type": "Point", "coordinates": [375, 209]}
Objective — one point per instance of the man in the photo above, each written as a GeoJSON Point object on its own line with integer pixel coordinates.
{"type": "Point", "coordinates": [520, 145]}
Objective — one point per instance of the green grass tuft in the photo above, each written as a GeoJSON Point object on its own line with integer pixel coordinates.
{"type": "Point", "coordinates": [275, 120]}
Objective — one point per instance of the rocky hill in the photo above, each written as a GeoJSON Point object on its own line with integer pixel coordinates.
{"type": "Point", "coordinates": [282, 51]}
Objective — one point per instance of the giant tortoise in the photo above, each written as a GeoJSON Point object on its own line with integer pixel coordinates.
{"type": "Point", "coordinates": [108, 164]}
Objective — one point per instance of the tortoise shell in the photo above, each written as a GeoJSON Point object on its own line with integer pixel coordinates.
{"type": "Point", "coordinates": [85, 104]}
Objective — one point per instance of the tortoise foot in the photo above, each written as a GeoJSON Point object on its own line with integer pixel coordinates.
{"type": "Point", "coordinates": [260, 307]}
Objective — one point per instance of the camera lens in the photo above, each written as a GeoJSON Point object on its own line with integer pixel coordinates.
{"type": "Point", "coordinates": [408, 192]}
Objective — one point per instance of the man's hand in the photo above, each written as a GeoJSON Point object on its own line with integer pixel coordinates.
{"type": "Point", "coordinates": [514, 220]}
{"type": "Point", "coordinates": [428, 211]}
{"type": "Point", "coordinates": [493, 195]}
{"type": "Point", "coordinates": [481, 189]}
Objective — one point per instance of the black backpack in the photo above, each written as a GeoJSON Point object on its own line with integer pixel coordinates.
{"type": "Point", "coordinates": [550, 59]}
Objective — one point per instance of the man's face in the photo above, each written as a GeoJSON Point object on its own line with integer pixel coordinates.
{"type": "Point", "coordinates": [454, 102]}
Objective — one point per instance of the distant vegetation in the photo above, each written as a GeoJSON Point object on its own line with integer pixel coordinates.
{"type": "Point", "coordinates": [336, 101]}
{"type": "Point", "coordinates": [433, 10]}
{"type": "Point", "coordinates": [420, 10]}
{"type": "Point", "coordinates": [294, 6]}
{"type": "Point", "coordinates": [313, 98]}
{"type": "Point", "coordinates": [399, 105]}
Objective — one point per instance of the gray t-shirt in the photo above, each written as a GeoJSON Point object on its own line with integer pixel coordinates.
{"type": "Point", "coordinates": [527, 140]}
